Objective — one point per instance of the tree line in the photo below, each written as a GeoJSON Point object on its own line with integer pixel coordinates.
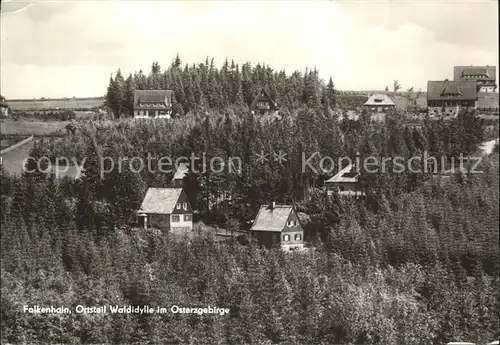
{"type": "Point", "coordinates": [203, 86]}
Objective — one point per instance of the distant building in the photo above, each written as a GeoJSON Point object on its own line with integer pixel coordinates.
{"type": "Point", "coordinates": [378, 105]}
{"type": "Point", "coordinates": [485, 76]}
{"type": "Point", "coordinates": [447, 97]}
{"type": "Point", "coordinates": [4, 108]}
{"type": "Point", "coordinates": [263, 104]}
{"type": "Point", "coordinates": [167, 209]}
{"type": "Point", "coordinates": [278, 225]}
{"type": "Point", "coordinates": [154, 104]}
{"type": "Point", "coordinates": [344, 183]}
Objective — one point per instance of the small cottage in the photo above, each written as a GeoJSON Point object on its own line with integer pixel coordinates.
{"type": "Point", "coordinates": [154, 104]}
{"type": "Point", "coordinates": [278, 225]}
{"type": "Point", "coordinates": [167, 209]}
{"type": "Point", "coordinates": [344, 183]}
{"type": "Point", "coordinates": [264, 104]}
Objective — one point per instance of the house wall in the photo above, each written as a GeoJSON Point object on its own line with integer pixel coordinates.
{"type": "Point", "coordinates": [267, 238]}
{"type": "Point", "coordinates": [333, 187]}
{"type": "Point", "coordinates": [183, 226]}
{"type": "Point", "coordinates": [160, 221]}
{"type": "Point", "coordinates": [156, 113]}
{"type": "Point", "coordinates": [487, 89]}
{"type": "Point", "coordinates": [292, 229]}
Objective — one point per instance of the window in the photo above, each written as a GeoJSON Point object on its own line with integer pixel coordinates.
{"type": "Point", "coordinates": [179, 206]}
{"type": "Point", "coordinates": [175, 218]}
{"type": "Point", "coordinates": [286, 238]}
{"type": "Point", "coordinates": [297, 237]}
{"type": "Point", "coordinates": [188, 218]}
{"type": "Point", "coordinates": [274, 238]}
{"type": "Point", "coordinates": [184, 205]}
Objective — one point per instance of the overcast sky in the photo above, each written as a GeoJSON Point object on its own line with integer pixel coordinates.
{"type": "Point", "coordinates": [65, 49]}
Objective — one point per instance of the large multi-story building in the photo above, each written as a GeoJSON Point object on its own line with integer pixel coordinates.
{"type": "Point", "coordinates": [446, 97]}
{"type": "Point", "coordinates": [485, 76]}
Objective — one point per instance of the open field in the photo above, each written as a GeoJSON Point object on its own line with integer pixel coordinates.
{"type": "Point", "coordinates": [13, 162]}
{"type": "Point", "coordinates": [61, 103]}
{"type": "Point", "coordinates": [36, 128]}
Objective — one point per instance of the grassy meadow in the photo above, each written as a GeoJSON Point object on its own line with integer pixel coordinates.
{"type": "Point", "coordinates": [61, 103]}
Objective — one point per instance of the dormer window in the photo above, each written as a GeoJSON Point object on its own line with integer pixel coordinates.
{"type": "Point", "coordinates": [378, 100]}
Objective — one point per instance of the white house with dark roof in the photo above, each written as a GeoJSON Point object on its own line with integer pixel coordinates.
{"type": "Point", "coordinates": [485, 76]}
{"type": "Point", "coordinates": [344, 183]}
{"type": "Point", "coordinates": [378, 105]}
{"type": "Point", "coordinates": [448, 96]}
{"type": "Point", "coordinates": [155, 104]}
{"type": "Point", "coordinates": [278, 225]}
{"type": "Point", "coordinates": [167, 209]}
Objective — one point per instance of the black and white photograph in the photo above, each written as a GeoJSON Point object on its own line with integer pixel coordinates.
{"type": "Point", "coordinates": [249, 172]}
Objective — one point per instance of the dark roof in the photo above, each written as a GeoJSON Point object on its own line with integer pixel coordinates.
{"type": "Point", "coordinates": [263, 95]}
{"type": "Point", "coordinates": [160, 200]}
{"type": "Point", "coordinates": [452, 90]}
{"type": "Point", "coordinates": [153, 96]}
{"type": "Point", "coordinates": [271, 218]}
{"type": "Point", "coordinates": [462, 72]}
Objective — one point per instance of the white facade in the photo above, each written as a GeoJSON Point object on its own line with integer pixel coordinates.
{"type": "Point", "coordinates": [181, 223]}
{"type": "Point", "coordinates": [487, 89]}
{"type": "Point", "coordinates": [151, 114]}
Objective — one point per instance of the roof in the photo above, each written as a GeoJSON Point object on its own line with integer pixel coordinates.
{"type": "Point", "coordinates": [271, 219]}
{"type": "Point", "coordinates": [152, 96]}
{"type": "Point", "coordinates": [340, 176]}
{"type": "Point", "coordinates": [160, 200]}
{"type": "Point", "coordinates": [379, 100]}
{"type": "Point", "coordinates": [452, 90]}
{"type": "Point", "coordinates": [461, 72]}
{"type": "Point", "coordinates": [263, 95]}
{"type": "Point", "coordinates": [181, 172]}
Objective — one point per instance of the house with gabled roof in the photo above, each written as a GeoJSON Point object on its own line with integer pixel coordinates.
{"type": "Point", "coordinates": [264, 104]}
{"type": "Point", "coordinates": [278, 225]}
{"type": "Point", "coordinates": [155, 104]}
{"type": "Point", "coordinates": [448, 96]}
{"type": "Point", "coordinates": [344, 183]}
{"type": "Point", "coordinates": [485, 76]}
{"type": "Point", "coordinates": [378, 105]}
{"type": "Point", "coordinates": [167, 209]}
